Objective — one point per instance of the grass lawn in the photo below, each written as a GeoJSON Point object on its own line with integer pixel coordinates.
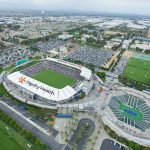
{"type": "Point", "coordinates": [138, 70]}
{"type": "Point", "coordinates": [10, 139]}
{"type": "Point", "coordinates": [3, 92]}
{"type": "Point", "coordinates": [19, 68]}
{"type": "Point", "coordinates": [54, 79]}
{"type": "Point", "coordinates": [8, 68]}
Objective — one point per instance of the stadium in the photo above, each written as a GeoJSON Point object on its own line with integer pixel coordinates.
{"type": "Point", "coordinates": [127, 113]}
{"type": "Point", "coordinates": [49, 82]}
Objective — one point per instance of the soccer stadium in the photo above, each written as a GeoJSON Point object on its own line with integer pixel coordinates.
{"type": "Point", "coordinates": [49, 82]}
{"type": "Point", "coordinates": [127, 113]}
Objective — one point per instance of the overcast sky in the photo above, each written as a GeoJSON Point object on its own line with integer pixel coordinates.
{"type": "Point", "coordinates": [110, 6]}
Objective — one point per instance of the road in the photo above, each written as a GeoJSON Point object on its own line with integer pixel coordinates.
{"type": "Point", "coordinates": [31, 116]}
{"type": "Point", "coordinates": [45, 138]}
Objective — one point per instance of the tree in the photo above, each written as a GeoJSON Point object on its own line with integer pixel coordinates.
{"type": "Point", "coordinates": [101, 74]}
{"type": "Point", "coordinates": [136, 146]}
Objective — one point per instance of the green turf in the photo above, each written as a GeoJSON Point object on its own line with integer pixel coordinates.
{"type": "Point", "coordinates": [54, 79]}
{"type": "Point", "coordinates": [138, 70]}
{"type": "Point", "coordinates": [138, 116]}
{"type": "Point", "coordinates": [8, 68]}
{"type": "Point", "coordinates": [10, 139]}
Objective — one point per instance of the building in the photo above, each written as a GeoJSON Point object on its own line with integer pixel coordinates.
{"type": "Point", "coordinates": [34, 92]}
{"type": "Point", "coordinates": [126, 44]}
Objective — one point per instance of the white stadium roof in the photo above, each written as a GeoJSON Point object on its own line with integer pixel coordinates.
{"type": "Point", "coordinates": [40, 88]}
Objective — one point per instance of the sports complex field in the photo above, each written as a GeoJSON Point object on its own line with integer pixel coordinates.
{"type": "Point", "coordinates": [54, 79]}
{"type": "Point", "coordinates": [11, 140]}
{"type": "Point", "coordinates": [138, 70]}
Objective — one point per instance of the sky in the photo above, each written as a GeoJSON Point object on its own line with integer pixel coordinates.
{"type": "Point", "coordinates": [141, 7]}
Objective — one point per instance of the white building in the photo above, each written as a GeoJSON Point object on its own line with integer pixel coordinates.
{"type": "Point", "coordinates": [65, 36]}
{"type": "Point", "coordinates": [41, 94]}
{"type": "Point", "coordinates": [126, 44]}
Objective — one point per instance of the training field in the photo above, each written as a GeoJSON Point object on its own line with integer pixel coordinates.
{"type": "Point", "coordinates": [54, 79]}
{"type": "Point", "coordinates": [7, 143]}
{"type": "Point", "coordinates": [138, 70]}
{"type": "Point", "coordinates": [11, 140]}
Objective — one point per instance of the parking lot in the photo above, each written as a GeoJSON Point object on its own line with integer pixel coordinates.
{"type": "Point", "coordinates": [11, 56]}
{"type": "Point", "coordinates": [90, 55]}
{"type": "Point", "coordinates": [50, 45]}
{"type": "Point", "coordinates": [109, 144]}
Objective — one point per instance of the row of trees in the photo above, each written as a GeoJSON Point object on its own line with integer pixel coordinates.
{"type": "Point", "coordinates": [1, 28]}
{"type": "Point", "coordinates": [95, 43]}
{"type": "Point", "coordinates": [43, 39]}
{"type": "Point", "coordinates": [118, 59]}
{"type": "Point", "coordinates": [2, 45]}
{"type": "Point", "coordinates": [132, 83]}
{"type": "Point", "coordinates": [128, 143]}
{"type": "Point", "coordinates": [147, 52]}
{"type": "Point", "coordinates": [23, 132]}
{"type": "Point", "coordinates": [34, 48]}
{"type": "Point", "coordinates": [14, 40]}
{"type": "Point", "coordinates": [13, 27]}
{"type": "Point", "coordinates": [110, 66]}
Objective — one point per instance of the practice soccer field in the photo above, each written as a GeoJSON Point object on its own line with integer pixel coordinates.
{"type": "Point", "coordinates": [54, 79]}
{"type": "Point", "coordinates": [8, 143]}
{"type": "Point", "coordinates": [138, 70]}
{"type": "Point", "coordinates": [11, 140]}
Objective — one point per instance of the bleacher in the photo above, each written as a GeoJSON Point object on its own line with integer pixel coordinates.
{"type": "Point", "coordinates": [133, 102]}
{"type": "Point", "coordinates": [57, 67]}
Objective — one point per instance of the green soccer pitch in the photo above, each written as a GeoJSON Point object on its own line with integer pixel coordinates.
{"type": "Point", "coordinates": [10, 139]}
{"type": "Point", "coordinates": [131, 112]}
{"type": "Point", "coordinates": [54, 79]}
{"type": "Point", "coordinates": [138, 70]}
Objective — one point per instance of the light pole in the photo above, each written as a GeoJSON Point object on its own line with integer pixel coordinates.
{"type": "Point", "coordinates": [8, 131]}
{"type": "Point", "coordinates": [29, 146]}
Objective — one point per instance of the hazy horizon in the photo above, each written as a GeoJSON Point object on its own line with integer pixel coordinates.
{"type": "Point", "coordinates": [134, 7]}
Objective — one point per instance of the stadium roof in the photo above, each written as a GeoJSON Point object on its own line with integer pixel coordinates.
{"type": "Point", "coordinates": [40, 88]}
